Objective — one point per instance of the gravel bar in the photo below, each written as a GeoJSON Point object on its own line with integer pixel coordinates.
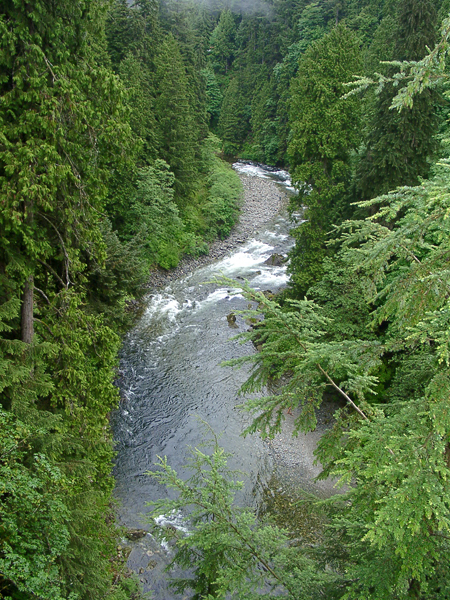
{"type": "Point", "coordinates": [263, 200]}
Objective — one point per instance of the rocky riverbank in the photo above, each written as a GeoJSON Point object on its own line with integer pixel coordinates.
{"type": "Point", "coordinates": [293, 456]}
{"type": "Point", "coordinates": [263, 199]}
{"type": "Point", "coordinates": [163, 383]}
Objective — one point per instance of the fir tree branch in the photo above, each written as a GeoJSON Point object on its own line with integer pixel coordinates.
{"type": "Point", "coordinates": [67, 261]}
{"type": "Point", "coordinates": [52, 271]}
{"type": "Point", "coordinates": [341, 391]}
{"type": "Point", "coordinates": [45, 325]}
{"type": "Point", "coordinates": [42, 294]}
{"type": "Point", "coordinates": [251, 547]}
{"type": "Point", "coordinates": [332, 382]}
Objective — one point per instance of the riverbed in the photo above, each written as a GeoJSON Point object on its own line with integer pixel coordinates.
{"type": "Point", "coordinates": [171, 375]}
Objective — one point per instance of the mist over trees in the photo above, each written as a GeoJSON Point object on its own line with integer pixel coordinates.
{"type": "Point", "coordinates": [115, 118]}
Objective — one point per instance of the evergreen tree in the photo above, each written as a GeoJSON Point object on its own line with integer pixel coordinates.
{"type": "Point", "coordinates": [263, 122]}
{"type": "Point", "coordinates": [213, 97]}
{"type": "Point", "coordinates": [191, 30]}
{"type": "Point", "coordinates": [232, 122]}
{"type": "Point", "coordinates": [222, 42]}
{"type": "Point", "coordinates": [176, 123]}
{"type": "Point", "coordinates": [311, 25]}
{"type": "Point", "coordinates": [153, 215]}
{"type": "Point", "coordinates": [133, 34]}
{"type": "Point", "coordinates": [400, 145]}
{"type": "Point", "coordinates": [392, 452]}
{"type": "Point", "coordinates": [64, 128]}
{"type": "Point", "coordinates": [228, 552]}
{"type": "Point", "coordinates": [324, 131]}
{"type": "Point", "coordinates": [138, 80]}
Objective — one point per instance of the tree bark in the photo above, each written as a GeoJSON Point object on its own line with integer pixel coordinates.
{"type": "Point", "coordinates": [27, 311]}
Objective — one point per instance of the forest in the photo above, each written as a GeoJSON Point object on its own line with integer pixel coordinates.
{"type": "Point", "coordinates": [118, 121]}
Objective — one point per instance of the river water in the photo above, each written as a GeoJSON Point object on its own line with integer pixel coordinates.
{"type": "Point", "coordinates": [172, 377]}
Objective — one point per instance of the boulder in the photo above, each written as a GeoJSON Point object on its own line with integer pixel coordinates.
{"type": "Point", "coordinates": [276, 260]}
{"type": "Point", "coordinates": [135, 534]}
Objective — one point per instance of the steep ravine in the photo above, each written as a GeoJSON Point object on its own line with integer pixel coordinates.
{"type": "Point", "coordinates": [171, 375]}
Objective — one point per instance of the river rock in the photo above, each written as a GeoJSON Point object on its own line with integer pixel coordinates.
{"type": "Point", "coordinates": [231, 318]}
{"type": "Point", "coordinates": [276, 260]}
{"type": "Point", "coordinates": [135, 534]}
{"type": "Point", "coordinates": [262, 200]}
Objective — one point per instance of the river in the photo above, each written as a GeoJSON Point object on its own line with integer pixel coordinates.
{"type": "Point", "coordinates": [171, 376]}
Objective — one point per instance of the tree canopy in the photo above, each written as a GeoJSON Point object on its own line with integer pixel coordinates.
{"type": "Point", "coordinates": [114, 120]}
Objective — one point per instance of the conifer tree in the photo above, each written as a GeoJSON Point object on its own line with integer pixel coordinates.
{"type": "Point", "coordinates": [63, 129]}
{"type": "Point", "coordinates": [176, 123]}
{"type": "Point", "coordinates": [263, 123]}
{"type": "Point", "coordinates": [400, 144]}
{"type": "Point", "coordinates": [324, 131]}
{"type": "Point", "coordinates": [213, 97]}
{"type": "Point", "coordinates": [133, 34]}
{"type": "Point", "coordinates": [231, 124]}
{"type": "Point", "coordinates": [222, 42]}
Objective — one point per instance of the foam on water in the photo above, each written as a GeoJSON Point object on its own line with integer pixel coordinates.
{"type": "Point", "coordinates": [277, 237]}
{"type": "Point", "coordinates": [275, 277]}
{"type": "Point", "coordinates": [265, 172]}
{"type": "Point", "coordinates": [222, 294]}
{"type": "Point", "coordinates": [250, 169]}
{"type": "Point", "coordinates": [164, 304]}
{"type": "Point", "coordinates": [176, 520]}
{"type": "Point", "coordinates": [241, 262]}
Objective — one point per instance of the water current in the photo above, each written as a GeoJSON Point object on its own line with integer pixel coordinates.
{"type": "Point", "coordinates": [172, 376]}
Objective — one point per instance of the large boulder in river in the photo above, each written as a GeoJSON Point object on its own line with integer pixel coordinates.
{"type": "Point", "coordinates": [276, 260]}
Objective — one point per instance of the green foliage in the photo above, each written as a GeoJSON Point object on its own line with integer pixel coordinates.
{"type": "Point", "coordinates": [400, 144]}
{"type": "Point", "coordinates": [120, 278]}
{"type": "Point", "coordinates": [154, 216]}
{"type": "Point", "coordinates": [263, 123]}
{"type": "Point", "coordinates": [63, 131]}
{"type": "Point", "coordinates": [232, 555]}
{"type": "Point", "coordinates": [76, 140]}
{"type": "Point", "coordinates": [374, 333]}
{"type": "Point", "coordinates": [33, 515]}
{"type": "Point", "coordinates": [398, 523]}
{"type": "Point", "coordinates": [216, 209]}
{"type": "Point", "coordinates": [179, 140]}
{"type": "Point", "coordinates": [231, 125]}
{"type": "Point", "coordinates": [131, 29]}
{"type": "Point", "coordinates": [394, 518]}
{"type": "Point", "coordinates": [311, 25]}
{"type": "Point", "coordinates": [224, 199]}
{"type": "Point", "coordinates": [342, 299]}
{"type": "Point", "coordinates": [324, 130]}
{"type": "Point", "coordinates": [222, 42]}
{"type": "Point", "coordinates": [213, 97]}
{"type": "Point", "coordinates": [137, 80]}
{"type": "Point", "coordinates": [295, 343]}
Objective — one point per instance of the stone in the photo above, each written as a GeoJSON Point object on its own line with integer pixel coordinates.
{"type": "Point", "coordinates": [135, 534]}
{"type": "Point", "coordinates": [231, 318]}
{"type": "Point", "coordinates": [276, 260]}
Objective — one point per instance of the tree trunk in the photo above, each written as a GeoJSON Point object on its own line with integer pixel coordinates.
{"type": "Point", "coordinates": [27, 299]}
{"type": "Point", "coordinates": [27, 311]}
